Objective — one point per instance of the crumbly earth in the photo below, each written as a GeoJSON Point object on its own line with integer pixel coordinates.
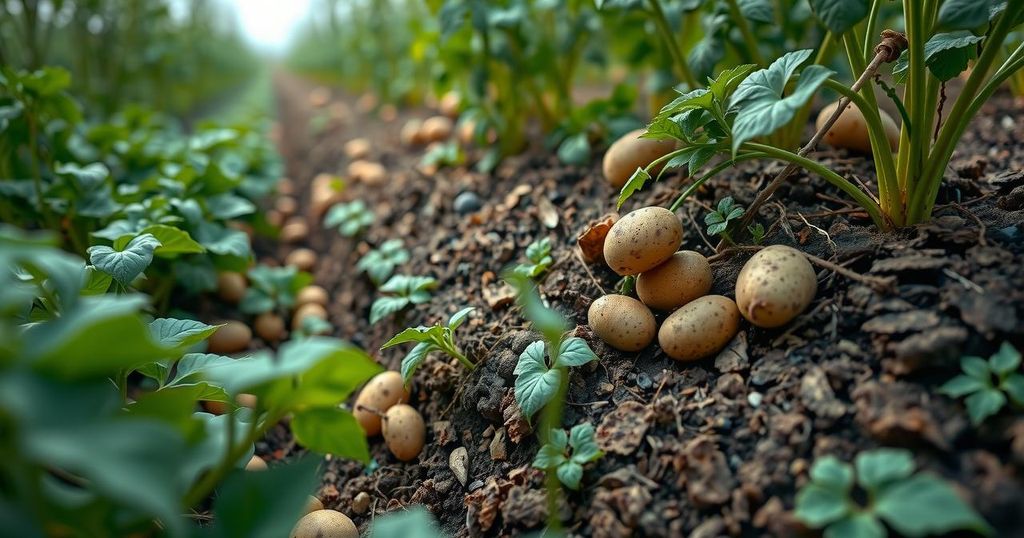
{"type": "Point", "coordinates": [715, 447]}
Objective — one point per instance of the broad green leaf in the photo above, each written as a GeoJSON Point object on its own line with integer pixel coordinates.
{"type": "Point", "coordinates": [976, 367]}
{"type": "Point", "coordinates": [414, 522]}
{"type": "Point", "coordinates": [1006, 360]}
{"type": "Point", "coordinates": [575, 150]}
{"type": "Point", "coordinates": [173, 240]}
{"type": "Point", "coordinates": [331, 431]}
{"type": "Point", "coordinates": [984, 403]}
{"type": "Point", "coordinates": [840, 15]}
{"type": "Point", "coordinates": [536, 384]}
{"type": "Point", "coordinates": [327, 382]}
{"type": "Point", "coordinates": [757, 10]}
{"type": "Point", "coordinates": [946, 55]}
{"type": "Point", "coordinates": [962, 385]}
{"type": "Point", "coordinates": [584, 447]}
{"type": "Point", "coordinates": [127, 264]}
{"type": "Point", "coordinates": [964, 14]}
{"type": "Point", "coordinates": [459, 317]}
{"type": "Point", "coordinates": [882, 466]}
{"type": "Point", "coordinates": [406, 285]}
{"type": "Point", "coordinates": [860, 525]}
{"type": "Point", "coordinates": [223, 240]}
{"type": "Point", "coordinates": [548, 457]}
{"type": "Point", "coordinates": [923, 505]}
{"type": "Point", "coordinates": [195, 366]}
{"type": "Point", "coordinates": [175, 406]}
{"type": "Point", "coordinates": [229, 206]}
{"type": "Point", "coordinates": [171, 333]}
{"type": "Point", "coordinates": [256, 301]}
{"type": "Point", "coordinates": [265, 504]}
{"type": "Point", "coordinates": [1013, 386]}
{"type": "Point", "coordinates": [570, 473]}
{"type": "Point", "coordinates": [574, 352]}
{"type": "Point", "coordinates": [414, 334]}
{"type": "Point", "coordinates": [818, 506]}
{"type": "Point", "coordinates": [727, 81]}
{"type": "Point", "coordinates": [635, 183]}
{"type": "Point", "coordinates": [385, 306]}
{"type": "Point", "coordinates": [415, 358]}
{"type": "Point", "coordinates": [831, 473]}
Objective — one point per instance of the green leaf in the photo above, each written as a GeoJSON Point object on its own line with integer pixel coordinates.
{"type": "Point", "coordinates": [223, 240]}
{"type": "Point", "coordinates": [549, 457]}
{"type": "Point", "coordinates": [946, 55]}
{"type": "Point", "coordinates": [761, 108]}
{"type": "Point", "coordinates": [127, 264]}
{"type": "Point", "coordinates": [280, 493]}
{"type": "Point", "coordinates": [229, 206]}
{"type": "Point", "coordinates": [349, 218]}
{"type": "Point", "coordinates": [1013, 386]}
{"type": "Point", "coordinates": [983, 404]}
{"type": "Point", "coordinates": [459, 317]}
{"type": "Point", "coordinates": [172, 333]}
{"type": "Point", "coordinates": [976, 367]}
{"type": "Point", "coordinates": [757, 10]}
{"type": "Point", "coordinates": [725, 84]}
{"type": "Point", "coordinates": [879, 467]}
{"type": "Point", "coordinates": [964, 14]}
{"type": "Point", "coordinates": [331, 431]}
{"type": "Point", "coordinates": [817, 506]}
{"type": "Point", "coordinates": [584, 447]}
{"type": "Point", "coordinates": [570, 473]}
{"type": "Point", "coordinates": [925, 504]}
{"type": "Point", "coordinates": [574, 352]}
{"type": "Point", "coordinates": [536, 384]}
{"type": "Point", "coordinates": [831, 473]}
{"type": "Point", "coordinates": [860, 525]}
{"type": "Point", "coordinates": [575, 150]}
{"type": "Point", "coordinates": [633, 184]}
{"type": "Point", "coordinates": [537, 251]}
{"type": "Point", "coordinates": [1006, 360]}
{"type": "Point", "coordinates": [173, 241]}
{"type": "Point", "coordinates": [414, 334]}
{"type": "Point", "coordinates": [415, 358]}
{"type": "Point", "coordinates": [256, 301]}
{"type": "Point", "coordinates": [414, 522]}
{"type": "Point", "coordinates": [195, 366]}
{"type": "Point", "coordinates": [383, 307]}
{"type": "Point", "coordinates": [840, 15]}
{"type": "Point", "coordinates": [962, 385]}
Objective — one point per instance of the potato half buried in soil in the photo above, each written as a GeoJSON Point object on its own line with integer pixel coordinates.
{"type": "Point", "coordinates": [682, 278]}
{"type": "Point", "coordinates": [775, 286]}
{"type": "Point", "coordinates": [622, 322]}
{"type": "Point", "coordinates": [850, 131]}
{"type": "Point", "coordinates": [631, 152]}
{"type": "Point", "coordinates": [700, 328]}
{"type": "Point", "coordinates": [380, 394]}
{"type": "Point", "coordinates": [642, 240]}
{"type": "Point", "coordinates": [325, 524]}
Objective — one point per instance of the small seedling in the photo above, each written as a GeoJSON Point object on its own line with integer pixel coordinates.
{"type": "Point", "coordinates": [445, 154]}
{"type": "Point", "coordinates": [567, 454]}
{"type": "Point", "coordinates": [273, 289]}
{"type": "Point", "coordinates": [719, 219]}
{"type": "Point", "coordinates": [428, 340]}
{"type": "Point", "coordinates": [351, 218]}
{"type": "Point", "coordinates": [987, 384]}
{"type": "Point", "coordinates": [401, 291]}
{"type": "Point", "coordinates": [912, 504]}
{"type": "Point", "coordinates": [756, 232]}
{"type": "Point", "coordinates": [380, 263]}
{"type": "Point", "coordinates": [539, 254]}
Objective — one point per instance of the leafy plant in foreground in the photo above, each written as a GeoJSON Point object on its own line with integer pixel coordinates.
{"type": "Point", "coordinates": [987, 384]}
{"type": "Point", "coordinates": [539, 255]}
{"type": "Point", "coordinates": [416, 522]}
{"type": "Point", "coordinates": [913, 504]}
{"type": "Point", "coordinates": [400, 292]}
{"type": "Point", "coordinates": [567, 454]}
{"type": "Point", "coordinates": [380, 263]}
{"type": "Point", "coordinates": [273, 289]}
{"type": "Point", "coordinates": [350, 218]}
{"type": "Point", "coordinates": [428, 340]}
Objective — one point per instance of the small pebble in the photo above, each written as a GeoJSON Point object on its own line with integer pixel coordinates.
{"type": "Point", "coordinates": [361, 502]}
{"type": "Point", "coordinates": [643, 381]}
{"type": "Point", "coordinates": [467, 202]}
{"type": "Point", "coordinates": [755, 399]}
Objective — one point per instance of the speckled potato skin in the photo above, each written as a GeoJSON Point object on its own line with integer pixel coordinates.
{"type": "Point", "coordinates": [642, 240]}
{"type": "Point", "coordinates": [850, 131]}
{"type": "Point", "coordinates": [775, 286]}
{"type": "Point", "coordinates": [700, 328]}
{"type": "Point", "coordinates": [631, 152]}
{"type": "Point", "coordinates": [622, 322]}
{"type": "Point", "coordinates": [380, 393]}
{"type": "Point", "coordinates": [682, 278]}
{"type": "Point", "coordinates": [404, 432]}
{"type": "Point", "coordinates": [325, 524]}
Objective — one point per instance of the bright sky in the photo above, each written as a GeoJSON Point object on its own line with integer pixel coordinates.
{"type": "Point", "coordinates": [270, 23]}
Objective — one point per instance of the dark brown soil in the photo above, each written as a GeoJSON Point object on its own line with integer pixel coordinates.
{"type": "Point", "coordinates": [716, 447]}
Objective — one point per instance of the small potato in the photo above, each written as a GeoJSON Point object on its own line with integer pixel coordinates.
{"type": "Point", "coordinates": [380, 394]}
{"type": "Point", "coordinates": [387, 113]}
{"type": "Point", "coordinates": [275, 218]}
{"type": "Point", "coordinates": [622, 322]}
{"type": "Point", "coordinates": [295, 230]}
{"type": "Point", "coordinates": [358, 148]}
{"type": "Point", "coordinates": [285, 186]}
{"type": "Point", "coordinates": [219, 408]}
{"type": "Point", "coordinates": [449, 104]}
{"type": "Point", "coordinates": [306, 310]}
{"type": "Point", "coordinates": [631, 152]}
{"type": "Point", "coordinates": [366, 102]}
{"type": "Point", "coordinates": [775, 286]}
{"type": "Point", "coordinates": [231, 286]}
{"type": "Point", "coordinates": [681, 279]}
{"type": "Point", "coordinates": [437, 128]}
{"type": "Point", "coordinates": [410, 134]}
{"type": "Point", "coordinates": [324, 192]}
{"type": "Point", "coordinates": [642, 240]}
{"type": "Point", "coordinates": [270, 327]}
{"type": "Point", "coordinates": [368, 172]}
{"type": "Point", "coordinates": [325, 524]}
{"type": "Point", "coordinates": [404, 431]}
{"type": "Point", "coordinates": [233, 337]}
{"type": "Point", "coordinates": [302, 258]}
{"type": "Point", "coordinates": [256, 463]}
{"type": "Point", "coordinates": [286, 205]}
{"type": "Point", "coordinates": [700, 328]}
{"type": "Point", "coordinates": [850, 131]}
{"type": "Point", "coordinates": [312, 294]}
{"type": "Point", "coordinates": [313, 504]}
{"type": "Point", "coordinates": [466, 132]}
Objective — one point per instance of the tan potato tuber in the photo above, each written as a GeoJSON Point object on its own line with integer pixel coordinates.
{"type": "Point", "coordinates": [325, 524]}
{"type": "Point", "coordinates": [380, 394]}
{"type": "Point", "coordinates": [775, 286]}
{"type": "Point", "coordinates": [642, 240]}
{"type": "Point", "coordinates": [850, 131]}
{"type": "Point", "coordinates": [436, 129]}
{"type": "Point", "coordinates": [312, 294]}
{"type": "Point", "coordinates": [630, 152]}
{"type": "Point", "coordinates": [623, 322]}
{"type": "Point", "coordinates": [270, 327]}
{"type": "Point", "coordinates": [231, 286]}
{"type": "Point", "coordinates": [700, 328]}
{"type": "Point", "coordinates": [404, 431]}
{"type": "Point", "coordinates": [682, 278]}
{"type": "Point", "coordinates": [303, 259]}
{"type": "Point", "coordinates": [232, 337]}
{"type": "Point", "coordinates": [307, 310]}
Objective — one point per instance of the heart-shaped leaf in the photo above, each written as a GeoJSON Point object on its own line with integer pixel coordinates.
{"type": "Point", "coordinates": [127, 264]}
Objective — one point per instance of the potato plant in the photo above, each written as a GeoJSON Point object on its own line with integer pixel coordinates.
{"type": "Point", "coordinates": [538, 253]}
{"type": "Point", "coordinates": [567, 454]}
{"type": "Point", "coordinates": [399, 293]}
{"type": "Point", "coordinates": [986, 386]}
{"type": "Point", "coordinates": [430, 339]}
{"type": "Point", "coordinates": [380, 263]}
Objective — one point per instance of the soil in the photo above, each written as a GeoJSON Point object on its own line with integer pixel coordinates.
{"type": "Point", "coordinates": [715, 447]}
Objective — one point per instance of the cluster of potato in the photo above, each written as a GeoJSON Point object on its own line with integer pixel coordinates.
{"type": "Point", "coordinates": [432, 130]}
{"type": "Point", "coordinates": [775, 286]}
{"type": "Point", "coordinates": [380, 411]}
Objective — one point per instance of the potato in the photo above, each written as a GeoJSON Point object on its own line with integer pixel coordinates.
{"type": "Point", "coordinates": [466, 132]}
{"type": "Point", "coordinates": [302, 258]}
{"type": "Point", "coordinates": [306, 310]}
{"type": "Point", "coordinates": [622, 322]}
{"type": "Point", "coordinates": [295, 230]}
{"type": "Point", "coordinates": [312, 294]}
{"type": "Point", "coordinates": [368, 172]}
{"type": "Point", "coordinates": [358, 148]}
{"type": "Point", "coordinates": [325, 524]}
{"type": "Point", "coordinates": [410, 134]}
{"type": "Point", "coordinates": [270, 327]}
{"type": "Point", "coordinates": [642, 240]}
{"type": "Point", "coordinates": [313, 504]}
{"type": "Point", "coordinates": [681, 279]}
{"type": "Point", "coordinates": [231, 286]}
{"type": "Point", "coordinates": [285, 186]}
{"type": "Point", "coordinates": [219, 408]}
{"type": "Point", "coordinates": [631, 152]}
{"type": "Point", "coordinates": [775, 286]}
{"type": "Point", "coordinates": [387, 113]}
{"type": "Point", "coordinates": [275, 218]}
{"type": "Point", "coordinates": [404, 431]}
{"type": "Point", "coordinates": [700, 328]}
{"type": "Point", "coordinates": [324, 193]}
{"type": "Point", "coordinates": [850, 131]}
{"type": "Point", "coordinates": [437, 128]}
{"type": "Point", "coordinates": [449, 104]}
{"type": "Point", "coordinates": [233, 337]}
{"type": "Point", "coordinates": [286, 205]}
{"type": "Point", "coordinates": [256, 463]}
{"type": "Point", "coordinates": [380, 394]}
{"type": "Point", "coordinates": [366, 102]}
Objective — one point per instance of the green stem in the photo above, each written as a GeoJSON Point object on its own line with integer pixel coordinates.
{"type": "Point", "coordinates": [661, 22]}
{"type": "Point", "coordinates": [871, 29]}
{"type": "Point", "coordinates": [711, 173]}
{"type": "Point", "coordinates": [748, 36]}
{"type": "Point", "coordinates": [552, 419]}
{"type": "Point", "coordinates": [37, 174]}
{"type": "Point", "coordinates": [451, 349]}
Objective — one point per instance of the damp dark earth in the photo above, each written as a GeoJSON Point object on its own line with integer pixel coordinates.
{"type": "Point", "coordinates": [454, 268]}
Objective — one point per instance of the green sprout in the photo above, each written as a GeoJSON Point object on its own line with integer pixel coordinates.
{"type": "Point", "coordinates": [567, 454]}
{"type": "Point", "coordinates": [428, 340]}
{"type": "Point", "coordinates": [988, 384]}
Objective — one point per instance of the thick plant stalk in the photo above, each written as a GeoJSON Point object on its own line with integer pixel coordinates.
{"type": "Point", "coordinates": [887, 51]}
